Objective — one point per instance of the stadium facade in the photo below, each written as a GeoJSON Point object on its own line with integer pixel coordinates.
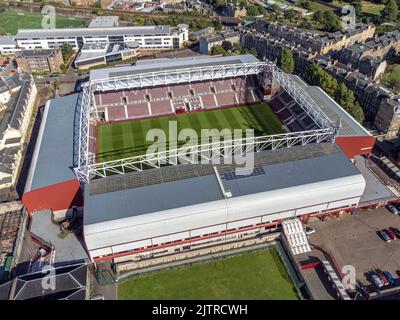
{"type": "Point", "coordinates": [133, 213]}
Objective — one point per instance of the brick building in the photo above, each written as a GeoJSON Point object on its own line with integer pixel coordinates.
{"type": "Point", "coordinates": [40, 60]}
{"type": "Point", "coordinates": [379, 104]}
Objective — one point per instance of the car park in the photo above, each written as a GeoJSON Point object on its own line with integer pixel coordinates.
{"type": "Point", "coordinates": [393, 209]}
{"type": "Point", "coordinates": [377, 281]}
{"type": "Point", "coordinates": [389, 277]}
{"type": "Point", "coordinates": [362, 290]}
{"type": "Point", "coordinates": [396, 231]}
{"type": "Point", "coordinates": [384, 236]}
{"type": "Point", "coordinates": [381, 276]}
{"type": "Point", "coordinates": [391, 234]}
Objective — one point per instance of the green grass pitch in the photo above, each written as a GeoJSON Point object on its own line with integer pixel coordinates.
{"type": "Point", "coordinates": [126, 139]}
{"type": "Point", "coordinates": [259, 275]}
{"type": "Point", "coordinates": [10, 22]}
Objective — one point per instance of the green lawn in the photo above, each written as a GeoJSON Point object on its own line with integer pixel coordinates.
{"type": "Point", "coordinates": [10, 22]}
{"type": "Point", "coordinates": [391, 77]}
{"type": "Point", "coordinates": [258, 275]}
{"type": "Point", "coordinates": [125, 139]}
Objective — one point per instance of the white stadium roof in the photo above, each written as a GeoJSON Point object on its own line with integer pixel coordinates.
{"type": "Point", "coordinates": [155, 65]}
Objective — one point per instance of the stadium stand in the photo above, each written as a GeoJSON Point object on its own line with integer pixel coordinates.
{"type": "Point", "coordinates": [177, 98]}
{"type": "Point", "coordinates": [291, 114]}
{"type": "Point", "coordinates": [138, 110]}
{"type": "Point", "coordinates": [227, 98]}
{"type": "Point", "coordinates": [115, 113]}
{"type": "Point", "coordinates": [201, 88]}
{"type": "Point", "coordinates": [209, 101]}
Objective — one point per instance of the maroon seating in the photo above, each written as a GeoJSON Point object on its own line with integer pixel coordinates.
{"type": "Point", "coordinates": [137, 110]}
{"type": "Point", "coordinates": [116, 113]}
{"type": "Point", "coordinates": [226, 99]}
{"type": "Point", "coordinates": [179, 90]}
{"type": "Point", "coordinates": [208, 101]}
{"type": "Point", "coordinates": [97, 100]}
{"type": "Point", "coordinates": [160, 107]}
{"type": "Point", "coordinates": [222, 85]}
{"type": "Point", "coordinates": [135, 95]}
{"type": "Point", "coordinates": [111, 98]}
{"type": "Point", "coordinates": [157, 93]}
{"type": "Point", "coordinates": [201, 88]}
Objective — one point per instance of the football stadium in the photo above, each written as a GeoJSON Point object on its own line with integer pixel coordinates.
{"type": "Point", "coordinates": [92, 154]}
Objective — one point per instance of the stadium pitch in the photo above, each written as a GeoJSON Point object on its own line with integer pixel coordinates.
{"type": "Point", "coordinates": [257, 275]}
{"type": "Point", "coordinates": [127, 139]}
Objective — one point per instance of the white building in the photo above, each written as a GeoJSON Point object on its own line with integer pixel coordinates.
{"type": "Point", "coordinates": [148, 37]}
{"type": "Point", "coordinates": [8, 45]}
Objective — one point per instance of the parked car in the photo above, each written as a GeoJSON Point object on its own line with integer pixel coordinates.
{"type": "Point", "coordinates": [382, 276]}
{"type": "Point", "coordinates": [384, 236]}
{"type": "Point", "coordinates": [393, 209]}
{"type": "Point", "coordinates": [390, 278]}
{"type": "Point", "coordinates": [396, 231]}
{"type": "Point", "coordinates": [391, 234]}
{"type": "Point", "coordinates": [309, 230]}
{"type": "Point", "coordinates": [362, 290]}
{"type": "Point", "coordinates": [377, 281]}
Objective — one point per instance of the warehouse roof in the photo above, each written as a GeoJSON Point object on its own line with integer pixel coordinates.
{"type": "Point", "coordinates": [154, 65]}
{"type": "Point", "coordinates": [107, 198]}
{"type": "Point", "coordinates": [53, 158]}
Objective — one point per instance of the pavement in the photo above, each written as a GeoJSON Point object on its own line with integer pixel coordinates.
{"type": "Point", "coordinates": [109, 292]}
{"type": "Point", "coordinates": [352, 240]}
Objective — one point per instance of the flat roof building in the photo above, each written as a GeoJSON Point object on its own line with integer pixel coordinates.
{"type": "Point", "coordinates": [148, 37]}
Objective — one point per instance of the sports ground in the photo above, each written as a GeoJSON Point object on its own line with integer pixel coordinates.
{"type": "Point", "coordinates": [259, 275]}
{"type": "Point", "coordinates": [127, 139]}
{"type": "Point", "coordinates": [10, 22]}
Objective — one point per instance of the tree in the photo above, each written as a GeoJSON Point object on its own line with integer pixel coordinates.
{"type": "Point", "coordinates": [289, 15]}
{"type": "Point", "coordinates": [56, 85]}
{"type": "Point", "coordinates": [2, 7]}
{"type": "Point", "coordinates": [63, 68]}
{"type": "Point", "coordinates": [227, 45]}
{"type": "Point", "coordinates": [253, 51]}
{"type": "Point", "coordinates": [330, 21]}
{"type": "Point", "coordinates": [275, 8]}
{"type": "Point", "coordinates": [315, 75]}
{"type": "Point", "coordinates": [305, 4]}
{"type": "Point", "coordinates": [390, 11]}
{"type": "Point", "coordinates": [66, 50]}
{"type": "Point", "coordinates": [252, 10]}
{"type": "Point", "coordinates": [285, 61]}
{"type": "Point", "coordinates": [217, 49]}
{"type": "Point", "coordinates": [318, 16]}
